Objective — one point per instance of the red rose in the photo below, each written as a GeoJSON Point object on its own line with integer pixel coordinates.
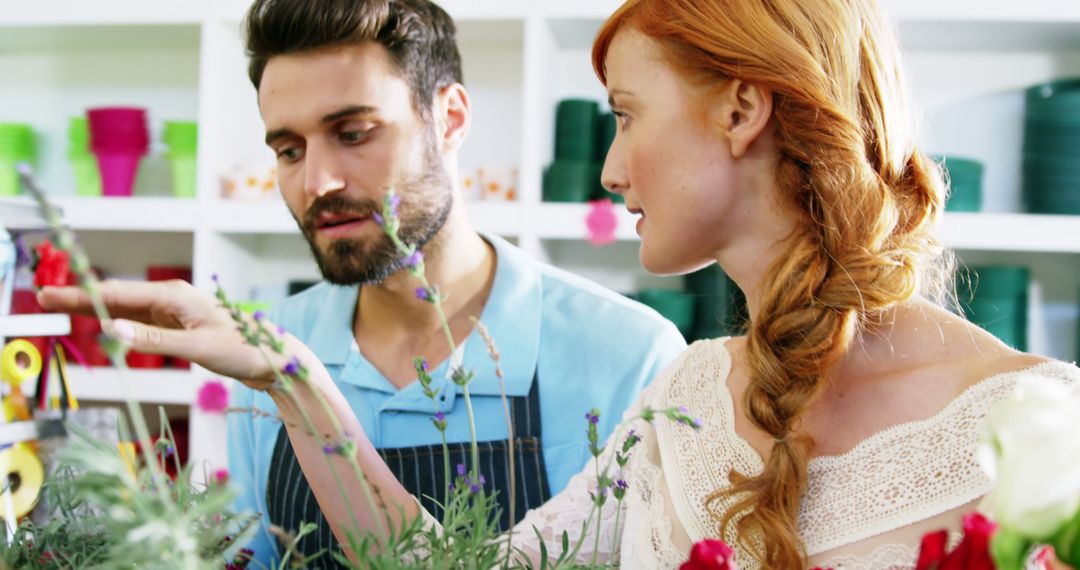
{"type": "Point", "coordinates": [710, 555]}
{"type": "Point", "coordinates": [52, 266]}
{"type": "Point", "coordinates": [973, 552]}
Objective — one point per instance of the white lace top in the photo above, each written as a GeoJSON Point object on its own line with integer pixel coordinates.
{"type": "Point", "coordinates": [865, 509]}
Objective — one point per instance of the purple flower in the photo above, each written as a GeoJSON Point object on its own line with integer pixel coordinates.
{"type": "Point", "coordinates": [214, 277]}
{"type": "Point", "coordinates": [683, 410]}
{"type": "Point", "coordinates": [292, 368]}
{"type": "Point", "coordinates": [259, 315]}
{"type": "Point", "coordinates": [415, 259]}
{"type": "Point", "coordinates": [696, 422]}
{"type": "Point", "coordinates": [593, 418]}
{"type": "Point", "coordinates": [439, 416]}
{"type": "Point", "coordinates": [378, 218]}
{"type": "Point", "coordinates": [622, 484]}
{"type": "Point", "coordinates": [474, 488]}
{"type": "Point", "coordinates": [461, 469]}
{"type": "Point", "coordinates": [281, 330]}
{"type": "Point", "coordinates": [395, 201]}
{"type": "Point", "coordinates": [422, 294]}
{"type": "Point", "coordinates": [328, 449]}
{"type": "Point", "coordinates": [424, 365]}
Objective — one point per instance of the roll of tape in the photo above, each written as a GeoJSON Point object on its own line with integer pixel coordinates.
{"type": "Point", "coordinates": [13, 372]}
{"type": "Point", "coordinates": [22, 474]}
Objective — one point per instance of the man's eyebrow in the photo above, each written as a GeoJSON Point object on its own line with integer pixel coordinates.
{"type": "Point", "coordinates": [349, 111]}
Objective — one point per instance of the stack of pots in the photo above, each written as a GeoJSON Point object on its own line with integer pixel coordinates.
{"type": "Point", "coordinates": [119, 138]}
{"type": "Point", "coordinates": [17, 144]}
{"type": "Point", "coordinates": [83, 162]}
{"type": "Point", "coordinates": [1051, 170]}
{"type": "Point", "coordinates": [996, 298]}
{"type": "Point", "coordinates": [182, 138]}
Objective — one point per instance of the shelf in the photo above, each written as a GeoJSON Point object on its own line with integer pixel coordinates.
{"type": "Point", "coordinates": [102, 12]}
{"type": "Point", "coordinates": [21, 214]}
{"type": "Point", "coordinates": [34, 325]}
{"type": "Point", "coordinates": [164, 386]}
{"type": "Point", "coordinates": [967, 231]}
{"type": "Point", "coordinates": [130, 214]}
{"type": "Point", "coordinates": [1011, 232]}
{"type": "Point", "coordinates": [238, 217]}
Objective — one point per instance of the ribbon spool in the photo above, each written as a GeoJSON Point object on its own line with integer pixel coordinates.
{"type": "Point", "coordinates": [22, 473]}
{"type": "Point", "coordinates": [12, 371]}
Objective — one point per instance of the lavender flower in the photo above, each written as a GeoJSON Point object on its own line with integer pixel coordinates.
{"type": "Point", "coordinates": [440, 416]}
{"type": "Point", "coordinates": [414, 260]}
{"type": "Point", "coordinates": [292, 368]}
{"type": "Point", "coordinates": [594, 418]}
{"type": "Point", "coordinates": [461, 469]}
{"type": "Point", "coordinates": [394, 202]}
{"type": "Point", "coordinates": [328, 449]}
{"type": "Point", "coordinates": [259, 315]}
{"type": "Point", "coordinates": [378, 218]}
{"type": "Point", "coordinates": [422, 294]}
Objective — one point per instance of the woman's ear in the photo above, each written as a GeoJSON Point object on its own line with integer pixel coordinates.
{"type": "Point", "coordinates": [743, 112]}
{"type": "Point", "coordinates": [453, 115]}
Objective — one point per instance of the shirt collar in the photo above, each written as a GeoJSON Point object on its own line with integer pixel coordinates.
{"type": "Point", "coordinates": [331, 337]}
{"type": "Point", "coordinates": [512, 316]}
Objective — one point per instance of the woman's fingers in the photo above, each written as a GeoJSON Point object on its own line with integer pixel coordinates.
{"type": "Point", "coordinates": [153, 339]}
{"type": "Point", "coordinates": [167, 302]}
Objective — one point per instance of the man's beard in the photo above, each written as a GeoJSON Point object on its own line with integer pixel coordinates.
{"type": "Point", "coordinates": [426, 199]}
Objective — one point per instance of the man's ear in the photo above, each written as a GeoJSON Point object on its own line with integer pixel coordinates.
{"type": "Point", "coordinates": [453, 115]}
{"type": "Point", "coordinates": [742, 111]}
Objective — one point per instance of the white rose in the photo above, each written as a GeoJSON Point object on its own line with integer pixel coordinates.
{"type": "Point", "coordinates": [1031, 446]}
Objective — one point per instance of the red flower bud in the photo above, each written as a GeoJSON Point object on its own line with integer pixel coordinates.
{"type": "Point", "coordinates": [710, 555]}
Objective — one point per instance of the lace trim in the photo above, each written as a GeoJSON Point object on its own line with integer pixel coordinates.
{"type": "Point", "coordinates": [888, 557]}
{"type": "Point", "coordinates": [917, 469]}
{"type": "Point", "coordinates": [646, 542]}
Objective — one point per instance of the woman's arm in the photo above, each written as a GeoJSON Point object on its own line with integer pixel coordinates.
{"type": "Point", "coordinates": [175, 319]}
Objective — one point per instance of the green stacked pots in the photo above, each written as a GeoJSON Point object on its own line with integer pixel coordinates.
{"type": "Point", "coordinates": [965, 183]}
{"type": "Point", "coordinates": [605, 136]}
{"type": "Point", "coordinates": [1051, 169]}
{"type": "Point", "coordinates": [83, 162]}
{"type": "Point", "coordinates": [720, 307]}
{"type": "Point", "coordinates": [996, 299]}
{"type": "Point", "coordinates": [17, 144]}
{"type": "Point", "coordinates": [675, 306]}
{"type": "Point", "coordinates": [182, 138]}
{"type": "Point", "coordinates": [570, 178]}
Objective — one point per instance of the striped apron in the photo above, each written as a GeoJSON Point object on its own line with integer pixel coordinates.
{"type": "Point", "coordinates": [290, 501]}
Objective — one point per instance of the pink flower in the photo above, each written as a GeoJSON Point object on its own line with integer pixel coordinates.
{"type": "Point", "coordinates": [710, 555]}
{"type": "Point", "coordinates": [221, 476]}
{"type": "Point", "coordinates": [601, 222]}
{"type": "Point", "coordinates": [213, 397]}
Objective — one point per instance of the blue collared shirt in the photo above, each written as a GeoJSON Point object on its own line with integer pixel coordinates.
{"type": "Point", "coordinates": [589, 347]}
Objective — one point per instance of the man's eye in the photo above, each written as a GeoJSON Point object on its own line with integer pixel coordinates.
{"type": "Point", "coordinates": [290, 153]}
{"type": "Point", "coordinates": [353, 137]}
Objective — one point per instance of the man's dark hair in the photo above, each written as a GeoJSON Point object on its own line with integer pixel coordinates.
{"type": "Point", "coordinates": [419, 36]}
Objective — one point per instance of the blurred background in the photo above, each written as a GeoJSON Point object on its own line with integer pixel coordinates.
{"type": "Point", "coordinates": [141, 123]}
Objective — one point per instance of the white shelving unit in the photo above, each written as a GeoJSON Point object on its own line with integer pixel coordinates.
{"type": "Point", "coordinates": [969, 61]}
